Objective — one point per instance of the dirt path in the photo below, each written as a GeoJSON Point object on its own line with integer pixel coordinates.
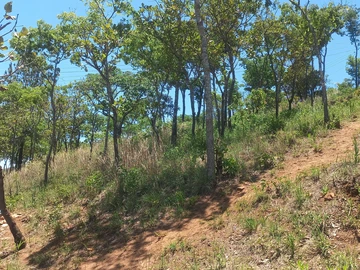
{"type": "Point", "coordinates": [337, 146]}
{"type": "Point", "coordinates": [141, 252]}
{"type": "Point", "coordinates": [144, 249]}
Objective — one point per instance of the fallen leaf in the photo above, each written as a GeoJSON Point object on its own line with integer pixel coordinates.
{"type": "Point", "coordinates": [329, 196]}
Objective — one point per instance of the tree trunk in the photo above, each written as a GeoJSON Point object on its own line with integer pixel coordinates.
{"type": "Point", "coordinates": [20, 154]}
{"type": "Point", "coordinates": [323, 89]}
{"type": "Point", "coordinates": [106, 143]}
{"type": "Point", "coordinates": [199, 105]}
{"type": "Point", "coordinates": [19, 238]}
{"type": "Point", "coordinates": [175, 112]}
{"type": "Point", "coordinates": [192, 103]}
{"type": "Point", "coordinates": [312, 87]}
{"type": "Point", "coordinates": [183, 95]}
{"type": "Point", "coordinates": [317, 51]}
{"type": "Point", "coordinates": [210, 164]}
{"type": "Point", "coordinates": [115, 122]}
{"type": "Point", "coordinates": [53, 136]}
{"type": "Point", "coordinates": [218, 114]}
{"type": "Point", "coordinates": [356, 67]}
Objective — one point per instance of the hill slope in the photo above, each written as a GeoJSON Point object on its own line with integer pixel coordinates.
{"type": "Point", "coordinates": [302, 214]}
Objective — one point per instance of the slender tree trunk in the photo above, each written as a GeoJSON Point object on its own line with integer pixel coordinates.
{"type": "Point", "coordinates": [208, 100]}
{"type": "Point", "coordinates": [20, 154]}
{"type": "Point", "coordinates": [356, 67]}
{"type": "Point", "coordinates": [175, 112]}
{"type": "Point", "coordinates": [232, 90]}
{"type": "Point", "coordinates": [312, 87]}
{"type": "Point", "coordinates": [218, 114]}
{"type": "Point", "coordinates": [183, 96]}
{"type": "Point", "coordinates": [19, 238]}
{"type": "Point", "coordinates": [323, 89]}
{"type": "Point", "coordinates": [199, 106]}
{"type": "Point", "coordinates": [12, 158]}
{"type": "Point", "coordinates": [276, 78]}
{"type": "Point", "coordinates": [53, 135]}
{"type": "Point", "coordinates": [115, 121]}
{"type": "Point", "coordinates": [317, 51]}
{"type": "Point", "coordinates": [277, 102]}
{"type": "Point", "coordinates": [192, 103]}
{"type": "Point", "coordinates": [106, 143]}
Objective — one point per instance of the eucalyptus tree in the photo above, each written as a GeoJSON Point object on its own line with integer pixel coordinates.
{"type": "Point", "coordinates": [210, 151]}
{"type": "Point", "coordinates": [45, 48]}
{"type": "Point", "coordinates": [352, 25]}
{"type": "Point", "coordinates": [227, 25]}
{"type": "Point", "coordinates": [170, 34]}
{"type": "Point", "coordinates": [322, 23]}
{"type": "Point", "coordinates": [95, 41]}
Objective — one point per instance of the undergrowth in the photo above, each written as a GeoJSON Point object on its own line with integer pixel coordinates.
{"type": "Point", "coordinates": [157, 180]}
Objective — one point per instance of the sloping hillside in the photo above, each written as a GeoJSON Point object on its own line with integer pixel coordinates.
{"type": "Point", "coordinates": [303, 214]}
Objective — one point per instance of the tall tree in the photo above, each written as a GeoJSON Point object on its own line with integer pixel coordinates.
{"type": "Point", "coordinates": [170, 34]}
{"type": "Point", "coordinates": [44, 48]}
{"type": "Point", "coordinates": [352, 25]}
{"type": "Point", "coordinates": [210, 152]}
{"type": "Point", "coordinates": [227, 24]}
{"type": "Point", "coordinates": [322, 24]}
{"type": "Point", "coordinates": [95, 41]}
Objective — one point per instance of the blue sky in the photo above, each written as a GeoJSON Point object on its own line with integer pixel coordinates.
{"type": "Point", "coordinates": [32, 11]}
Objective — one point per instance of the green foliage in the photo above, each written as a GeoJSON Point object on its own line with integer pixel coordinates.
{"type": "Point", "coordinates": [344, 261]}
{"type": "Point", "coordinates": [351, 67]}
{"type": "Point", "coordinates": [256, 100]}
{"type": "Point", "coordinates": [264, 161]}
{"type": "Point", "coordinates": [356, 150]}
{"type": "Point", "coordinates": [300, 195]}
{"type": "Point", "coordinates": [282, 188]}
{"type": "Point", "coordinates": [94, 183]}
{"type": "Point", "coordinates": [231, 166]}
{"type": "Point", "coordinates": [290, 244]}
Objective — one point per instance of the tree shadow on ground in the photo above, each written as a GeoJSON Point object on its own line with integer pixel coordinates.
{"type": "Point", "coordinates": [94, 241]}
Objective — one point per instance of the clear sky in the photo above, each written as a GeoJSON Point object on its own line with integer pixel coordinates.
{"type": "Point", "coordinates": [30, 11]}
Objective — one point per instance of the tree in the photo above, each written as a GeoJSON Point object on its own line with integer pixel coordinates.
{"type": "Point", "coordinates": [44, 48]}
{"type": "Point", "coordinates": [353, 69]}
{"type": "Point", "coordinates": [21, 111]}
{"type": "Point", "coordinates": [227, 24]}
{"type": "Point", "coordinates": [95, 41]}
{"type": "Point", "coordinates": [322, 24]}
{"type": "Point", "coordinates": [352, 25]}
{"type": "Point", "coordinates": [171, 36]}
{"type": "Point", "coordinates": [210, 152]}
{"type": "Point", "coordinates": [91, 89]}
{"type": "Point", "coordinates": [18, 236]}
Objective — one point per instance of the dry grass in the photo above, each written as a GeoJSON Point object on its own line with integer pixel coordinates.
{"type": "Point", "coordinates": [270, 230]}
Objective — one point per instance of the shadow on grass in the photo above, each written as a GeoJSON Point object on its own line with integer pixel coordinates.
{"type": "Point", "coordinates": [92, 242]}
{"type": "Point", "coordinates": [5, 254]}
